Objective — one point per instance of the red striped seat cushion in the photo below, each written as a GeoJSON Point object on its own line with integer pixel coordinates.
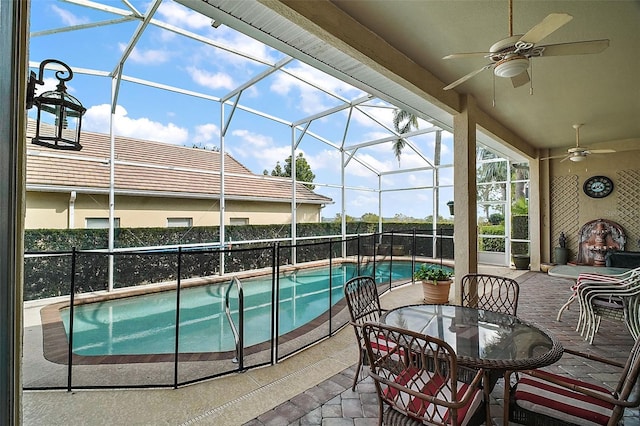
{"type": "Point", "coordinates": [427, 383]}
{"type": "Point", "coordinates": [547, 398]}
{"type": "Point", "coordinates": [383, 345]}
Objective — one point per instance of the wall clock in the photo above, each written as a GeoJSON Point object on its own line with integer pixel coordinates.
{"type": "Point", "coordinates": [598, 186]}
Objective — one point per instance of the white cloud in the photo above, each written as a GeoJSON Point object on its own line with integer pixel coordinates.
{"type": "Point", "coordinates": [67, 17]}
{"type": "Point", "coordinates": [365, 202]}
{"type": "Point", "coordinates": [148, 56]}
{"type": "Point", "coordinates": [311, 100]}
{"type": "Point", "coordinates": [242, 43]}
{"type": "Point", "coordinates": [357, 169]}
{"type": "Point", "coordinates": [50, 83]}
{"type": "Point", "coordinates": [367, 116]}
{"type": "Point", "coordinates": [206, 133]}
{"type": "Point", "coordinates": [328, 159]}
{"type": "Point", "coordinates": [97, 119]}
{"type": "Point", "coordinates": [211, 80]}
{"type": "Point", "coordinates": [320, 79]}
{"type": "Point", "coordinates": [180, 16]}
{"type": "Point", "coordinates": [261, 148]}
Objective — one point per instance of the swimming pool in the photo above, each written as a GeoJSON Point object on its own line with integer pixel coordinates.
{"type": "Point", "coordinates": [146, 324]}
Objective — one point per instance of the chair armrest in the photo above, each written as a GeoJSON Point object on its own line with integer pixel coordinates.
{"type": "Point", "coordinates": [593, 358]}
{"type": "Point", "coordinates": [576, 388]}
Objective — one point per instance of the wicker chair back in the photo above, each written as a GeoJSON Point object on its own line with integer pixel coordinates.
{"type": "Point", "coordinates": [363, 303]}
{"type": "Point", "coordinates": [416, 375]}
{"type": "Point", "coordinates": [491, 293]}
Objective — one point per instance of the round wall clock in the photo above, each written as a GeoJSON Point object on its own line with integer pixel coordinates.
{"type": "Point", "coordinates": [598, 186]}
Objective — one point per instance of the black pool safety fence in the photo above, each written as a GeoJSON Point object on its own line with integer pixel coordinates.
{"type": "Point", "coordinates": [169, 317]}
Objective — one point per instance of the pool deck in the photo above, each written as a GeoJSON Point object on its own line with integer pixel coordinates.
{"type": "Point", "coordinates": [312, 387]}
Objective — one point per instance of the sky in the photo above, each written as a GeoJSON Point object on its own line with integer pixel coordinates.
{"type": "Point", "coordinates": [213, 70]}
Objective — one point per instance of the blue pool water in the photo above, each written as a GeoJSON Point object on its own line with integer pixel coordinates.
{"type": "Point", "coordinates": [146, 324]}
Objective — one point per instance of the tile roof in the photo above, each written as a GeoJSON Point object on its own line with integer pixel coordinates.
{"type": "Point", "coordinates": [154, 169]}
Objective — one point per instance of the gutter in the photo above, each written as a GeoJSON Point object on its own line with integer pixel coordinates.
{"type": "Point", "coordinates": [163, 194]}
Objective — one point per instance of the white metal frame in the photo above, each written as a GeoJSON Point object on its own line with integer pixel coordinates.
{"type": "Point", "coordinates": [230, 102]}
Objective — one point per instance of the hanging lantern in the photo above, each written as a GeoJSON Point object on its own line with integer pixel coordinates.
{"type": "Point", "coordinates": [450, 204]}
{"type": "Point", "coordinates": [59, 116]}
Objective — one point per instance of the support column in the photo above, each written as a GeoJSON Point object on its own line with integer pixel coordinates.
{"type": "Point", "coordinates": [14, 23]}
{"type": "Point", "coordinates": [465, 237]}
{"type": "Point", "coordinates": [537, 214]}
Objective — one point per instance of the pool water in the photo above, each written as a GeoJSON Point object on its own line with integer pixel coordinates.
{"type": "Point", "coordinates": [146, 324]}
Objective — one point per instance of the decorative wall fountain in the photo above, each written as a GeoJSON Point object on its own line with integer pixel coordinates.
{"type": "Point", "coordinates": [596, 239]}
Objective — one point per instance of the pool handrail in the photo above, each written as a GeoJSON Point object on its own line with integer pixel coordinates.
{"type": "Point", "coordinates": [237, 335]}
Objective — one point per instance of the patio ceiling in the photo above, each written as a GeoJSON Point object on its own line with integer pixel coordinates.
{"type": "Point", "coordinates": [601, 90]}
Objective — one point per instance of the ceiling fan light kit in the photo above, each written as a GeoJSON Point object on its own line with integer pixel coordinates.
{"type": "Point", "coordinates": [577, 158]}
{"type": "Point", "coordinates": [511, 66]}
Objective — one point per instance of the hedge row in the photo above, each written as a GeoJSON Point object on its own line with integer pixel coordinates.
{"type": "Point", "coordinates": [492, 244]}
{"type": "Point", "coordinates": [49, 273]}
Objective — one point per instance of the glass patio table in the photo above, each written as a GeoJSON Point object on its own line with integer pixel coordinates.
{"type": "Point", "coordinates": [482, 339]}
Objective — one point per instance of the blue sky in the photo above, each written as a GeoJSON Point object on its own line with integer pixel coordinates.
{"type": "Point", "coordinates": [164, 57]}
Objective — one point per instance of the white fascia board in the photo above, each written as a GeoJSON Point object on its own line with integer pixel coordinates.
{"type": "Point", "coordinates": [163, 194]}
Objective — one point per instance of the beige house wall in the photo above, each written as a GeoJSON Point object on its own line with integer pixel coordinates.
{"type": "Point", "coordinates": [52, 210]}
{"type": "Point", "coordinates": [571, 208]}
{"type": "Point", "coordinates": [47, 210]}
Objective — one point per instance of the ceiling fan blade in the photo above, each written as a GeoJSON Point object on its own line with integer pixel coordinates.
{"type": "Point", "coordinates": [467, 77]}
{"type": "Point", "coordinates": [575, 48]}
{"type": "Point", "coordinates": [601, 151]}
{"type": "Point", "coordinates": [554, 157]}
{"type": "Point", "coordinates": [466, 55]}
{"type": "Point", "coordinates": [548, 25]}
{"type": "Point", "coordinates": [566, 158]}
{"type": "Point", "coordinates": [520, 79]}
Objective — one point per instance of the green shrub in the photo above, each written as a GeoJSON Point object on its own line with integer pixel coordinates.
{"type": "Point", "coordinates": [48, 276]}
{"type": "Point", "coordinates": [496, 218]}
{"type": "Point", "coordinates": [491, 244]}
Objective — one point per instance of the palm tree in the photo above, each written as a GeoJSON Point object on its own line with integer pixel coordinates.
{"type": "Point", "coordinates": [489, 172]}
{"type": "Point", "coordinates": [403, 122]}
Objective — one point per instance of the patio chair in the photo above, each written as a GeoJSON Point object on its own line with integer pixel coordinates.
{"type": "Point", "coordinates": [363, 302]}
{"type": "Point", "coordinates": [416, 378]}
{"type": "Point", "coordinates": [616, 301]}
{"type": "Point", "coordinates": [543, 398]}
{"type": "Point", "coordinates": [491, 293]}
{"type": "Point", "coordinates": [594, 277]}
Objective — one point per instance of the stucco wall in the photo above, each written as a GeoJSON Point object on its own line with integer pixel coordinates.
{"type": "Point", "coordinates": [51, 210]}
{"type": "Point", "coordinates": [571, 207]}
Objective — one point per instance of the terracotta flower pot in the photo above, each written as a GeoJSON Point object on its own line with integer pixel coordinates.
{"type": "Point", "coordinates": [436, 293]}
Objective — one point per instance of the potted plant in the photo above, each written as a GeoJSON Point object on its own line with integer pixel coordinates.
{"type": "Point", "coordinates": [521, 261]}
{"type": "Point", "coordinates": [436, 282]}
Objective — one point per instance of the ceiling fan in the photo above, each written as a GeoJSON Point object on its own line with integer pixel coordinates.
{"type": "Point", "coordinates": [579, 153]}
{"type": "Point", "coordinates": [510, 56]}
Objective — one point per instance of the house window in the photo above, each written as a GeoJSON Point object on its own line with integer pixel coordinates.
{"type": "Point", "coordinates": [100, 222]}
{"type": "Point", "coordinates": [239, 221]}
{"type": "Point", "coordinates": [179, 222]}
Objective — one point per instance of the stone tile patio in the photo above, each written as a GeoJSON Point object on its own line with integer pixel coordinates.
{"type": "Point", "coordinates": [332, 403]}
